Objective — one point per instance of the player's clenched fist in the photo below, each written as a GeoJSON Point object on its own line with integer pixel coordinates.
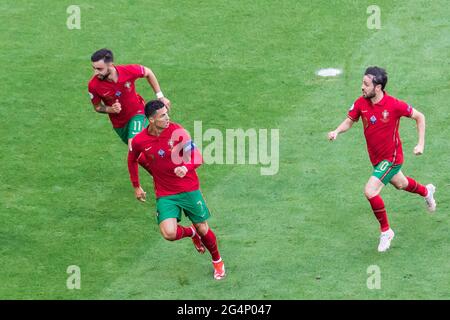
{"type": "Point", "coordinates": [332, 135]}
{"type": "Point", "coordinates": [180, 171]}
{"type": "Point", "coordinates": [418, 150]}
{"type": "Point", "coordinates": [140, 194]}
{"type": "Point", "coordinates": [116, 107]}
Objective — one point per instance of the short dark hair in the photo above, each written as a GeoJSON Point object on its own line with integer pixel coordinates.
{"type": "Point", "coordinates": [379, 76]}
{"type": "Point", "coordinates": [152, 106]}
{"type": "Point", "coordinates": [103, 54]}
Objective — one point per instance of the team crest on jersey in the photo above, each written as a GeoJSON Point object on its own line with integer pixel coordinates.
{"type": "Point", "coordinates": [170, 143]}
{"type": "Point", "coordinates": [373, 119]}
{"type": "Point", "coordinates": [385, 116]}
{"type": "Point", "coordinates": [127, 85]}
{"type": "Point", "coordinates": [161, 153]}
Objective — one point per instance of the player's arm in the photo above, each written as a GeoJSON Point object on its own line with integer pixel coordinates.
{"type": "Point", "coordinates": [344, 126]}
{"type": "Point", "coordinates": [98, 104]}
{"type": "Point", "coordinates": [133, 170]}
{"type": "Point", "coordinates": [102, 108]}
{"type": "Point", "coordinates": [192, 159]}
{"type": "Point", "coordinates": [191, 156]}
{"type": "Point", "coordinates": [420, 122]}
{"type": "Point", "coordinates": [151, 78]}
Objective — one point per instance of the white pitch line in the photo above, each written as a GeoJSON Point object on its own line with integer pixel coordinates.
{"type": "Point", "coordinates": [329, 72]}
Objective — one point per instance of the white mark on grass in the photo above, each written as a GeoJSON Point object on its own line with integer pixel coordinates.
{"type": "Point", "coordinates": [374, 280]}
{"type": "Point", "coordinates": [329, 72]}
{"type": "Point", "coordinates": [74, 18]}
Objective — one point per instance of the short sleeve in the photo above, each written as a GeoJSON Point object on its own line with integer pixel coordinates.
{"type": "Point", "coordinates": [354, 112]}
{"type": "Point", "coordinates": [136, 70]}
{"type": "Point", "coordinates": [95, 98]}
{"type": "Point", "coordinates": [403, 109]}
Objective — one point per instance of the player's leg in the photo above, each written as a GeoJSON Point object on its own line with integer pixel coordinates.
{"type": "Point", "coordinates": [401, 182]}
{"type": "Point", "coordinates": [172, 231]}
{"type": "Point", "coordinates": [126, 134]}
{"type": "Point", "coordinates": [372, 192]}
{"type": "Point", "coordinates": [209, 240]}
{"type": "Point", "coordinates": [168, 215]}
{"type": "Point", "coordinates": [122, 133]}
{"type": "Point", "coordinates": [380, 177]}
{"type": "Point", "coordinates": [197, 211]}
{"type": "Point", "coordinates": [134, 126]}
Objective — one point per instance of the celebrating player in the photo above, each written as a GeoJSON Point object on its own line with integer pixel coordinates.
{"type": "Point", "coordinates": [381, 115]}
{"type": "Point", "coordinates": [171, 158]}
{"type": "Point", "coordinates": [112, 91]}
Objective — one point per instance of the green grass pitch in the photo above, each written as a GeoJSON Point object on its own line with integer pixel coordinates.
{"type": "Point", "coordinates": [304, 233]}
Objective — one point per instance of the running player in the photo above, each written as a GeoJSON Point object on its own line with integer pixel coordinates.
{"type": "Point", "coordinates": [112, 91]}
{"type": "Point", "coordinates": [380, 114]}
{"type": "Point", "coordinates": [171, 158]}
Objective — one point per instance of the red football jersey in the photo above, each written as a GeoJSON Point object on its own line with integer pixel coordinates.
{"type": "Point", "coordinates": [124, 91]}
{"type": "Point", "coordinates": [161, 155]}
{"type": "Point", "coordinates": [381, 123]}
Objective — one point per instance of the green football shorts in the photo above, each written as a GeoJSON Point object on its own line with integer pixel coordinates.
{"type": "Point", "coordinates": [132, 128]}
{"type": "Point", "coordinates": [192, 204]}
{"type": "Point", "coordinates": [385, 170]}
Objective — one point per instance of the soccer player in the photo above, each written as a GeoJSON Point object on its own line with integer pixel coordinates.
{"type": "Point", "coordinates": [171, 158]}
{"type": "Point", "coordinates": [112, 91]}
{"type": "Point", "coordinates": [380, 114]}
